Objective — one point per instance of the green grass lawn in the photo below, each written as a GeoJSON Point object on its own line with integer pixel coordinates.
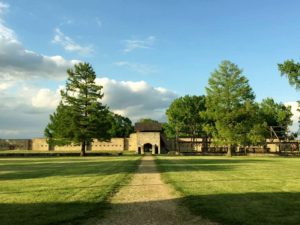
{"type": "Point", "coordinates": [59, 190]}
{"type": "Point", "coordinates": [237, 190]}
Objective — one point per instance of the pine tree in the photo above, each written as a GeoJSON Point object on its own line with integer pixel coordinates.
{"type": "Point", "coordinates": [80, 117]}
{"type": "Point", "coordinates": [230, 104]}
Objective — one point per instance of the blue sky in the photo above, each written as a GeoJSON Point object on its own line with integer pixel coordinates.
{"type": "Point", "coordinates": [162, 48]}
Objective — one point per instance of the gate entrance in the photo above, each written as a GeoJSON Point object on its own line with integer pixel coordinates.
{"type": "Point", "coordinates": [147, 148]}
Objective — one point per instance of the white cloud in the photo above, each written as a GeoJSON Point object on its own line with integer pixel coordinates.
{"type": "Point", "coordinates": [25, 113]}
{"type": "Point", "coordinates": [137, 67]}
{"type": "Point", "coordinates": [45, 98]}
{"type": "Point", "coordinates": [295, 117]}
{"type": "Point", "coordinates": [17, 62]}
{"type": "Point", "coordinates": [25, 108]}
{"type": "Point", "coordinates": [133, 44]}
{"type": "Point", "coordinates": [5, 32]}
{"type": "Point", "coordinates": [69, 44]}
{"type": "Point", "coordinates": [136, 99]}
{"type": "Point", "coordinates": [3, 7]}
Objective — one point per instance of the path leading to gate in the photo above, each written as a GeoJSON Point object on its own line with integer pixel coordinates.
{"type": "Point", "coordinates": [148, 200]}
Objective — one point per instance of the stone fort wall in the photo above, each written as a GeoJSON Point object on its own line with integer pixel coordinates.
{"type": "Point", "coordinates": [134, 143]}
{"type": "Point", "coordinates": [115, 144]}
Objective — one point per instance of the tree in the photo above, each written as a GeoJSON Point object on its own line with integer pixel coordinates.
{"type": "Point", "coordinates": [59, 127]}
{"type": "Point", "coordinates": [80, 116]}
{"type": "Point", "coordinates": [147, 120]}
{"type": "Point", "coordinates": [230, 104]}
{"type": "Point", "coordinates": [168, 131]}
{"type": "Point", "coordinates": [275, 115]}
{"type": "Point", "coordinates": [184, 117]}
{"type": "Point", "coordinates": [292, 70]}
{"type": "Point", "coordinates": [121, 126]}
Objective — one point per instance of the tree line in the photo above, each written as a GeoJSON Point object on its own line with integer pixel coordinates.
{"type": "Point", "coordinates": [228, 112]}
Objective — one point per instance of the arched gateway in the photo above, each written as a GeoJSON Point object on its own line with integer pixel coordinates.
{"type": "Point", "coordinates": [147, 148]}
{"type": "Point", "coordinates": [148, 137]}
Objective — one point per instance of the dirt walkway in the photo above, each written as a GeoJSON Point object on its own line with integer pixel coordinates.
{"type": "Point", "coordinates": [146, 200]}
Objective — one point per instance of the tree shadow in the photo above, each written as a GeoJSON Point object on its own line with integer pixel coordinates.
{"type": "Point", "coordinates": [274, 208]}
{"type": "Point", "coordinates": [41, 168]}
{"type": "Point", "coordinates": [244, 208]}
{"type": "Point", "coordinates": [186, 164]}
{"type": "Point", "coordinates": [30, 168]}
{"type": "Point", "coordinates": [207, 160]}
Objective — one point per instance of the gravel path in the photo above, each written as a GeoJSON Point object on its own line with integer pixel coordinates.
{"type": "Point", "coordinates": [146, 200]}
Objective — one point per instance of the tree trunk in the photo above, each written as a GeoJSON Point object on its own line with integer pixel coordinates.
{"type": "Point", "coordinates": [176, 144]}
{"type": "Point", "coordinates": [204, 144]}
{"type": "Point", "coordinates": [229, 153]}
{"type": "Point", "coordinates": [82, 153]}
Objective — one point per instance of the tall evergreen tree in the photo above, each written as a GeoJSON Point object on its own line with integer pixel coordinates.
{"type": "Point", "coordinates": [80, 116]}
{"type": "Point", "coordinates": [230, 104]}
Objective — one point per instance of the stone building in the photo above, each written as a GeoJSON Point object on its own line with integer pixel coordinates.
{"type": "Point", "coordinates": [147, 139]}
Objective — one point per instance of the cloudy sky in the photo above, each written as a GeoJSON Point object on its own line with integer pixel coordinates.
{"type": "Point", "coordinates": [145, 53]}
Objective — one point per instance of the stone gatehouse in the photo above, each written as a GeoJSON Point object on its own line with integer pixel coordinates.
{"type": "Point", "coordinates": [147, 139]}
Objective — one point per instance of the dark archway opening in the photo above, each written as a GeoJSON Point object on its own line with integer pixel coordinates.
{"type": "Point", "coordinates": [139, 150]}
{"type": "Point", "coordinates": [156, 149]}
{"type": "Point", "coordinates": [147, 148]}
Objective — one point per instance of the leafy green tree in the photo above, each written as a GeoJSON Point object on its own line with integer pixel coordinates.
{"type": "Point", "coordinates": [147, 120]}
{"type": "Point", "coordinates": [168, 130]}
{"type": "Point", "coordinates": [184, 117]}
{"type": "Point", "coordinates": [276, 115]}
{"type": "Point", "coordinates": [292, 70]}
{"type": "Point", "coordinates": [121, 126]}
{"type": "Point", "coordinates": [230, 104]}
{"type": "Point", "coordinates": [80, 116]}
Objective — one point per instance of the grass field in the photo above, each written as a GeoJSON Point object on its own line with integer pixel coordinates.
{"type": "Point", "coordinates": [237, 190]}
{"type": "Point", "coordinates": [59, 190]}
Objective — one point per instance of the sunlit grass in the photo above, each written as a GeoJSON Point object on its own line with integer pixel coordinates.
{"type": "Point", "coordinates": [54, 190]}
{"type": "Point", "coordinates": [238, 190]}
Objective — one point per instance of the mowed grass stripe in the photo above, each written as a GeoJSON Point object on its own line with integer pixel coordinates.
{"type": "Point", "coordinates": [237, 190]}
{"type": "Point", "coordinates": [57, 190]}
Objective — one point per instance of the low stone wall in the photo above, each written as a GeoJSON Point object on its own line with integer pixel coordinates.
{"type": "Point", "coordinates": [15, 144]}
{"type": "Point", "coordinates": [39, 144]}
{"type": "Point", "coordinates": [115, 144]}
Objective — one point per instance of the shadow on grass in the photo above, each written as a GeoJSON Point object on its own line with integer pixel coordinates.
{"type": "Point", "coordinates": [50, 213]}
{"type": "Point", "coordinates": [171, 164]}
{"type": "Point", "coordinates": [15, 170]}
{"type": "Point", "coordinates": [207, 160]}
{"type": "Point", "coordinates": [275, 208]}
{"type": "Point", "coordinates": [41, 168]}
{"type": "Point", "coordinates": [246, 209]}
